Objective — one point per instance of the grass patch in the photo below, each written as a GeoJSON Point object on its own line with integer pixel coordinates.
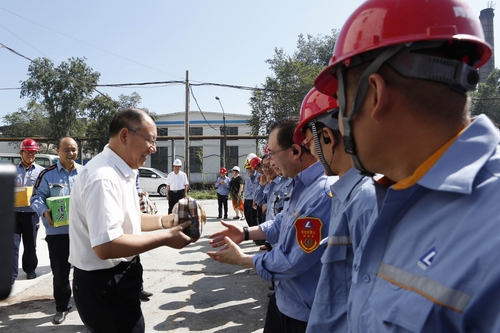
{"type": "Point", "coordinates": [203, 194]}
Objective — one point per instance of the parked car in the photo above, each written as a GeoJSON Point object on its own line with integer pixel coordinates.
{"type": "Point", "coordinates": [153, 180]}
{"type": "Point", "coordinates": [44, 160]}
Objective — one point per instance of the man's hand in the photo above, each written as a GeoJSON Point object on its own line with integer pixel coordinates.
{"type": "Point", "coordinates": [231, 231]}
{"type": "Point", "coordinates": [178, 240]}
{"type": "Point", "coordinates": [48, 215]}
{"type": "Point", "coordinates": [231, 254]}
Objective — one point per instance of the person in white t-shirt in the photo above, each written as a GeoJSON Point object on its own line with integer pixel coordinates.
{"type": "Point", "coordinates": [177, 185]}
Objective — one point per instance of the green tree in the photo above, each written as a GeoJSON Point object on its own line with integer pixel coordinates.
{"type": "Point", "coordinates": [62, 92]}
{"type": "Point", "coordinates": [486, 99]}
{"type": "Point", "coordinates": [30, 121]}
{"type": "Point", "coordinates": [293, 76]}
{"type": "Point", "coordinates": [101, 111]}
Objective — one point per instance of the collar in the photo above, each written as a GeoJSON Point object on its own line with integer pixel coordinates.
{"type": "Point", "coordinates": [309, 175]}
{"type": "Point", "coordinates": [455, 165]}
{"type": "Point", "coordinates": [344, 186]}
{"type": "Point", "coordinates": [120, 164]}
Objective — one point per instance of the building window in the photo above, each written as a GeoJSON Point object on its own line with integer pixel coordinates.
{"type": "Point", "coordinates": [162, 131]}
{"type": "Point", "coordinates": [231, 157]}
{"type": "Point", "coordinates": [159, 160]}
{"type": "Point", "coordinates": [232, 130]}
{"type": "Point", "coordinates": [195, 130]}
{"type": "Point", "coordinates": [196, 159]}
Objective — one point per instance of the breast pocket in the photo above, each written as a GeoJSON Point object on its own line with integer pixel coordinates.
{"type": "Point", "coordinates": [336, 275]}
{"type": "Point", "coordinates": [404, 310]}
{"type": "Point", "coordinates": [57, 190]}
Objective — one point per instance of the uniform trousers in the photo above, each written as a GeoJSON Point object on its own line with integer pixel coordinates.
{"type": "Point", "coordinates": [108, 299]}
{"type": "Point", "coordinates": [59, 254]}
{"type": "Point", "coordinates": [26, 228]}
{"type": "Point", "coordinates": [277, 322]}
{"type": "Point", "coordinates": [222, 203]}
{"type": "Point", "coordinates": [173, 198]}
{"type": "Point", "coordinates": [250, 213]}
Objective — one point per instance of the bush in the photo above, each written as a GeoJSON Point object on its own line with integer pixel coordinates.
{"type": "Point", "coordinates": [203, 194]}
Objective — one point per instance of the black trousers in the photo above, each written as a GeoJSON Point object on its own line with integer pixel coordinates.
{"type": "Point", "coordinates": [250, 213]}
{"type": "Point", "coordinates": [26, 228]}
{"type": "Point", "coordinates": [173, 198]}
{"type": "Point", "coordinates": [58, 255]}
{"type": "Point", "coordinates": [277, 322]}
{"type": "Point", "coordinates": [108, 299]}
{"type": "Point", "coordinates": [222, 203]}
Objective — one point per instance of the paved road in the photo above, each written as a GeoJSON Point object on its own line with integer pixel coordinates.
{"type": "Point", "coordinates": [192, 293]}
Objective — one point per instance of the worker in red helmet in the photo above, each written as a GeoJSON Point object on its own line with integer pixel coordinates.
{"type": "Point", "coordinates": [401, 71]}
{"type": "Point", "coordinates": [27, 220]}
{"type": "Point", "coordinates": [222, 189]}
{"type": "Point", "coordinates": [353, 202]}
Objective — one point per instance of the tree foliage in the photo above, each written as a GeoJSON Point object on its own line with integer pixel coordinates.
{"type": "Point", "coordinates": [486, 99]}
{"type": "Point", "coordinates": [62, 92]}
{"type": "Point", "coordinates": [293, 76]}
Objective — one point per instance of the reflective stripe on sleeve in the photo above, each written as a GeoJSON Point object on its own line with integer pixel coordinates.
{"type": "Point", "coordinates": [430, 289]}
{"type": "Point", "coordinates": [339, 240]}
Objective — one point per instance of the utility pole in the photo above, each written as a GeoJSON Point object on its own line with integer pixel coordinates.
{"type": "Point", "coordinates": [224, 131]}
{"type": "Point", "coordinates": [186, 129]}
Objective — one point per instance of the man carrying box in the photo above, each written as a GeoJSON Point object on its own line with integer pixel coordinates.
{"type": "Point", "coordinates": [27, 222]}
{"type": "Point", "coordinates": [54, 184]}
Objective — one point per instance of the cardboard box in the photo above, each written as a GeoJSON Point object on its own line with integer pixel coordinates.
{"type": "Point", "coordinates": [60, 210]}
{"type": "Point", "coordinates": [22, 196]}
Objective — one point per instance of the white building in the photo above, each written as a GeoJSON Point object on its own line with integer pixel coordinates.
{"type": "Point", "coordinates": [205, 155]}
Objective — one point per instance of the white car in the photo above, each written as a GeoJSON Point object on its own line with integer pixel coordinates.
{"type": "Point", "coordinates": [153, 180]}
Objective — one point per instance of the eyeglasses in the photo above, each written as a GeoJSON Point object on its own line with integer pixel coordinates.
{"type": "Point", "coordinates": [307, 142]}
{"type": "Point", "coordinates": [152, 143]}
{"type": "Point", "coordinates": [272, 153]}
{"type": "Point", "coordinates": [266, 167]}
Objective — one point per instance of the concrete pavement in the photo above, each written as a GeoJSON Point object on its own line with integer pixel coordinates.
{"type": "Point", "coordinates": [192, 293]}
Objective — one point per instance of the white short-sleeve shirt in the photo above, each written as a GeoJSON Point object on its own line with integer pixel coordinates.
{"type": "Point", "coordinates": [103, 207]}
{"type": "Point", "coordinates": [177, 181]}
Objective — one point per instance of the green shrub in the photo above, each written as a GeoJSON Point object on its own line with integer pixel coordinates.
{"type": "Point", "coordinates": [203, 194]}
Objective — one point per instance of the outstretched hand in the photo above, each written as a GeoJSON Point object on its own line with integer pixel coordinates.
{"type": "Point", "coordinates": [179, 239]}
{"type": "Point", "coordinates": [231, 254]}
{"type": "Point", "coordinates": [234, 232]}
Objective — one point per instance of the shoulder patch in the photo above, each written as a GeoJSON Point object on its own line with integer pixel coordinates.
{"type": "Point", "coordinates": [308, 231]}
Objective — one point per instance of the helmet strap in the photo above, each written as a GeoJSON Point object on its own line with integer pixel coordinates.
{"type": "Point", "coordinates": [319, 150]}
{"type": "Point", "coordinates": [349, 143]}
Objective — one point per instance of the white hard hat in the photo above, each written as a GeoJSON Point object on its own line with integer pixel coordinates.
{"type": "Point", "coordinates": [236, 168]}
{"type": "Point", "coordinates": [177, 162]}
{"type": "Point", "coordinates": [250, 156]}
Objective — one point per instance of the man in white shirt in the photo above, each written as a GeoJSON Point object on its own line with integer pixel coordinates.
{"type": "Point", "coordinates": [177, 185]}
{"type": "Point", "coordinates": [106, 228]}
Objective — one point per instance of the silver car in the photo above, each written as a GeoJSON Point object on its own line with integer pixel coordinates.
{"type": "Point", "coordinates": [153, 180]}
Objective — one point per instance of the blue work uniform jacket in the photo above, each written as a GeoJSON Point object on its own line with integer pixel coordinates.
{"type": "Point", "coordinates": [431, 260]}
{"type": "Point", "coordinates": [353, 203]}
{"type": "Point", "coordinates": [294, 267]}
{"type": "Point", "coordinates": [54, 181]}
{"type": "Point", "coordinates": [251, 184]}
{"type": "Point", "coordinates": [222, 189]}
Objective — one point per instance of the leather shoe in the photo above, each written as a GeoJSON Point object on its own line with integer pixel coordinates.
{"type": "Point", "coordinates": [143, 294]}
{"type": "Point", "coordinates": [30, 276]}
{"type": "Point", "coordinates": [59, 317]}
{"type": "Point", "coordinates": [225, 217]}
{"type": "Point", "coordinates": [219, 217]}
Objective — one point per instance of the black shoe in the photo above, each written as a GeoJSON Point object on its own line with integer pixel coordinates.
{"type": "Point", "coordinates": [143, 294]}
{"type": "Point", "coordinates": [219, 217]}
{"type": "Point", "coordinates": [59, 317]}
{"type": "Point", "coordinates": [30, 276]}
{"type": "Point", "coordinates": [236, 218]}
{"type": "Point", "coordinates": [271, 286]}
{"type": "Point", "coordinates": [225, 217]}
{"type": "Point", "coordinates": [260, 242]}
{"type": "Point", "coordinates": [270, 294]}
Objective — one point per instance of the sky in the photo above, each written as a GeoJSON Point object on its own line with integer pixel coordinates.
{"type": "Point", "coordinates": [216, 41]}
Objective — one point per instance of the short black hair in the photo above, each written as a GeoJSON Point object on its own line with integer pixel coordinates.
{"type": "Point", "coordinates": [131, 118]}
{"type": "Point", "coordinates": [286, 128]}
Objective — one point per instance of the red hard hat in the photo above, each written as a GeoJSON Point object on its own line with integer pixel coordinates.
{"type": "Point", "coordinates": [381, 23]}
{"type": "Point", "coordinates": [223, 170]}
{"type": "Point", "coordinates": [29, 144]}
{"type": "Point", "coordinates": [255, 162]}
{"type": "Point", "coordinates": [313, 105]}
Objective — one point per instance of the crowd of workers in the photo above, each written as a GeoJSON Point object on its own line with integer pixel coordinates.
{"type": "Point", "coordinates": [404, 239]}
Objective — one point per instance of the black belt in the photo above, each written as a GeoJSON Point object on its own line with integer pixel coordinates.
{"type": "Point", "coordinates": [175, 191]}
{"type": "Point", "coordinates": [124, 265]}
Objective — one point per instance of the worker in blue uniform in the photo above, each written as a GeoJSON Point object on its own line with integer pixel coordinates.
{"type": "Point", "coordinates": [429, 262]}
{"type": "Point", "coordinates": [294, 263]}
{"type": "Point", "coordinates": [55, 181]}
{"type": "Point", "coordinates": [353, 203]}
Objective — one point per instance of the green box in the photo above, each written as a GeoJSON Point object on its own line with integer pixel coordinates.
{"type": "Point", "coordinates": [60, 210]}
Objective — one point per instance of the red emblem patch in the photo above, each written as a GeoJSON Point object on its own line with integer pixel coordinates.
{"type": "Point", "coordinates": [308, 233]}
